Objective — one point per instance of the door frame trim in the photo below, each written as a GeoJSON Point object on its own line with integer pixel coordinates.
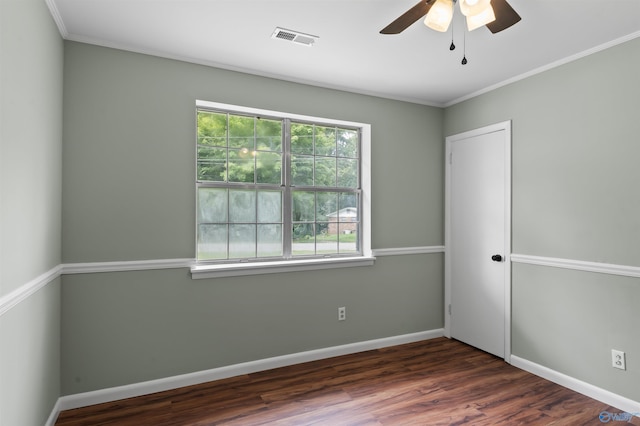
{"type": "Point", "coordinates": [506, 127]}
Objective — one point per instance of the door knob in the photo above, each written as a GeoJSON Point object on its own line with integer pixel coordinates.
{"type": "Point", "coordinates": [496, 258]}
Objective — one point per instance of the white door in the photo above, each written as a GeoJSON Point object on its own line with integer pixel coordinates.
{"type": "Point", "coordinates": [478, 238]}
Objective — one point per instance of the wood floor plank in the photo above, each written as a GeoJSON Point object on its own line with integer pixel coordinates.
{"type": "Point", "coordinates": [434, 382]}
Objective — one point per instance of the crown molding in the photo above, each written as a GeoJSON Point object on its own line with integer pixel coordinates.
{"type": "Point", "coordinates": [544, 68]}
{"type": "Point", "coordinates": [57, 17]}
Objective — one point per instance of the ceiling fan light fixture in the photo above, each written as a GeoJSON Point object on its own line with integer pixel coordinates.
{"type": "Point", "coordinates": [440, 15]}
{"type": "Point", "coordinates": [483, 18]}
{"type": "Point", "coordinates": [473, 7]}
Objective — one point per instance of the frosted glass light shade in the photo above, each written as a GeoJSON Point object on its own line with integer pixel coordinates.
{"type": "Point", "coordinates": [440, 15]}
{"type": "Point", "coordinates": [481, 19]}
{"type": "Point", "coordinates": [473, 7]}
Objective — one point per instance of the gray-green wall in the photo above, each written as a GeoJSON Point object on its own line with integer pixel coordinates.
{"type": "Point", "coordinates": [125, 170]}
{"type": "Point", "coordinates": [576, 146]}
{"type": "Point", "coordinates": [31, 68]}
{"type": "Point", "coordinates": [128, 180]}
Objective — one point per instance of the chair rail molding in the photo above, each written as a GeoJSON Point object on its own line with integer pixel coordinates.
{"type": "Point", "coordinates": [578, 265]}
{"type": "Point", "coordinates": [23, 292]}
{"type": "Point", "coordinates": [407, 250]}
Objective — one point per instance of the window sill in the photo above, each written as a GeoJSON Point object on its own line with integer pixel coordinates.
{"type": "Point", "coordinates": [240, 269]}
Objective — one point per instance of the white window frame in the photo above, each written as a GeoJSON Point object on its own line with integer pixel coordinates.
{"type": "Point", "coordinates": [366, 258]}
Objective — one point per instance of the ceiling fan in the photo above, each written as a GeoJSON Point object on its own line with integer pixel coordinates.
{"type": "Point", "coordinates": [497, 15]}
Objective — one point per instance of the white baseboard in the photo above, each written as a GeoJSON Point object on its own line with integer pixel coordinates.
{"type": "Point", "coordinates": [51, 421]}
{"type": "Point", "coordinates": [138, 389]}
{"type": "Point", "coordinates": [602, 395]}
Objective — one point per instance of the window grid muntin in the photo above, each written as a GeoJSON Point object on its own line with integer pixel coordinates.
{"type": "Point", "coordinates": [316, 223]}
{"type": "Point", "coordinates": [233, 149]}
{"type": "Point", "coordinates": [287, 187]}
{"type": "Point", "coordinates": [319, 124]}
{"type": "Point", "coordinates": [229, 222]}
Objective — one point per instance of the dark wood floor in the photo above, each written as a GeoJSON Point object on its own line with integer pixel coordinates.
{"type": "Point", "coordinates": [435, 382]}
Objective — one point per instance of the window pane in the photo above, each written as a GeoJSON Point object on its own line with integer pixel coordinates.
{"type": "Point", "coordinates": [301, 170]}
{"type": "Point", "coordinates": [325, 141]}
{"type": "Point", "coordinates": [212, 205]}
{"type": "Point", "coordinates": [347, 143]}
{"type": "Point", "coordinates": [211, 172]}
{"type": "Point", "coordinates": [301, 138]}
{"type": "Point", "coordinates": [327, 206]}
{"type": "Point", "coordinates": [269, 207]}
{"type": "Point", "coordinates": [349, 222]}
{"type": "Point", "coordinates": [242, 241]}
{"type": "Point", "coordinates": [241, 132]}
{"type": "Point", "coordinates": [241, 166]}
{"type": "Point", "coordinates": [210, 153]}
{"type": "Point", "coordinates": [269, 135]}
{"type": "Point", "coordinates": [212, 128]}
{"type": "Point", "coordinates": [242, 206]}
{"type": "Point", "coordinates": [212, 164]}
{"type": "Point", "coordinates": [269, 240]}
{"type": "Point", "coordinates": [325, 171]}
{"type": "Point", "coordinates": [349, 200]}
{"type": "Point", "coordinates": [347, 173]}
{"type": "Point", "coordinates": [269, 167]}
{"type": "Point", "coordinates": [304, 242]}
{"type": "Point", "coordinates": [212, 242]}
{"type": "Point", "coordinates": [348, 238]}
{"type": "Point", "coordinates": [325, 242]}
{"type": "Point", "coordinates": [208, 141]}
{"type": "Point", "coordinates": [304, 205]}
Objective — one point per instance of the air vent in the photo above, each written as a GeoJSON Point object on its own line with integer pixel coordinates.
{"type": "Point", "coordinates": [294, 36]}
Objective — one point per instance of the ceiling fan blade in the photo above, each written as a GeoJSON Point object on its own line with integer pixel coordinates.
{"type": "Point", "coordinates": [408, 18]}
{"type": "Point", "coordinates": [505, 16]}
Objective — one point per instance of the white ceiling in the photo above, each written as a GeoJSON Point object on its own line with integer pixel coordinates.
{"type": "Point", "coordinates": [350, 54]}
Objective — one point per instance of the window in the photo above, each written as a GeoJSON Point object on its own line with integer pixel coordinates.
{"type": "Point", "coordinates": [276, 189]}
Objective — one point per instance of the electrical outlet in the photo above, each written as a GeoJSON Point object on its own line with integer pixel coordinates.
{"type": "Point", "coordinates": [617, 359]}
{"type": "Point", "coordinates": [342, 313]}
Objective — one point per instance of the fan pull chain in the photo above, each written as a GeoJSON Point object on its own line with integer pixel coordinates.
{"type": "Point", "coordinates": [464, 48]}
{"type": "Point", "coordinates": [453, 46]}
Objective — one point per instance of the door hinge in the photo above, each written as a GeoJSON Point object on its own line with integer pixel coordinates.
{"type": "Point", "coordinates": [451, 158]}
{"type": "Point", "coordinates": [449, 308]}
